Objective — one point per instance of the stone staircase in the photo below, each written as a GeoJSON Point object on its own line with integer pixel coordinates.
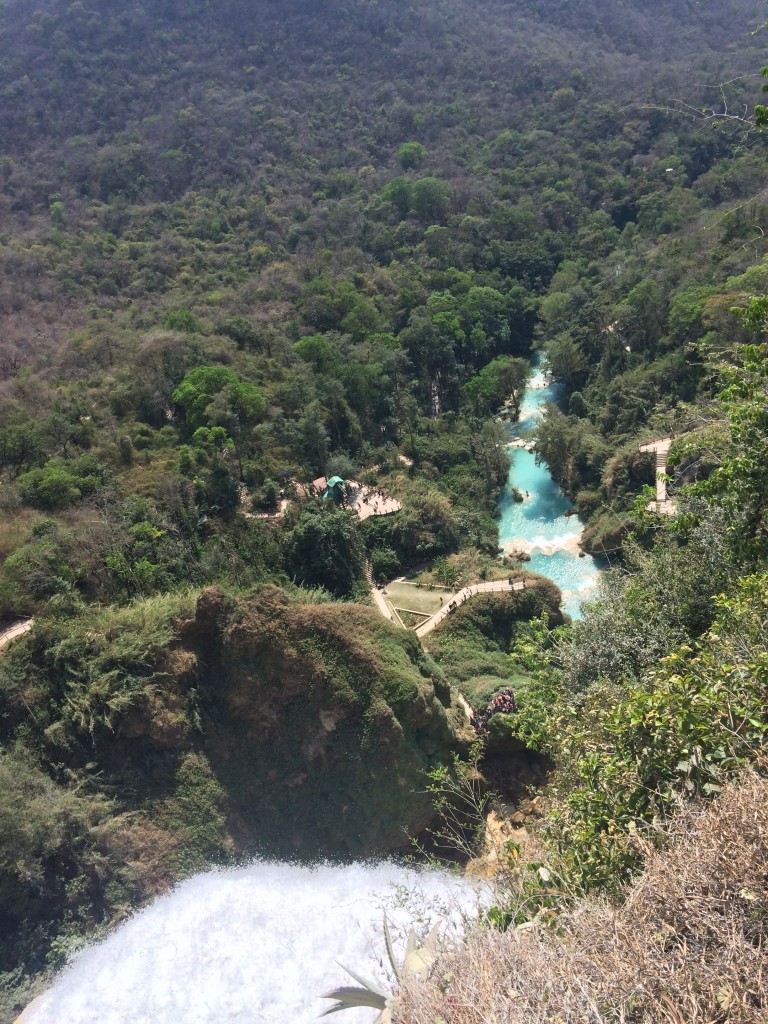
{"type": "Point", "coordinates": [662, 503]}
{"type": "Point", "coordinates": [661, 473]}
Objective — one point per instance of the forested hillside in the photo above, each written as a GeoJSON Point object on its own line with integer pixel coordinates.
{"type": "Point", "coordinates": [249, 244]}
{"type": "Point", "coordinates": [355, 211]}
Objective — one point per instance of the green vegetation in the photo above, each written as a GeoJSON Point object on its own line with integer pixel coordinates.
{"type": "Point", "coordinates": [650, 707]}
{"type": "Point", "coordinates": [474, 645]}
{"type": "Point", "coordinates": [658, 696]}
{"type": "Point", "coordinates": [145, 742]}
{"type": "Point", "coordinates": [243, 248]}
{"type": "Point", "coordinates": [680, 733]}
{"type": "Point", "coordinates": [236, 303]}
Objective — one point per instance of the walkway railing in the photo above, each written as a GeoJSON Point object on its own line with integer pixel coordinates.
{"type": "Point", "coordinates": [492, 587]}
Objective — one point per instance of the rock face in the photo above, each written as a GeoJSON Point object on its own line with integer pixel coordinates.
{"type": "Point", "coordinates": [318, 723]}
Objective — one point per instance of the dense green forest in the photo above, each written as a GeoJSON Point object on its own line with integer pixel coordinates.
{"type": "Point", "coordinates": [248, 245]}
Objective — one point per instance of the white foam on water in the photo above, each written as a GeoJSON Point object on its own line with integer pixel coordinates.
{"type": "Point", "coordinates": [253, 945]}
{"type": "Point", "coordinates": [545, 545]}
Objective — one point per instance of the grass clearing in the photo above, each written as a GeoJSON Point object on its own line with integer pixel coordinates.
{"type": "Point", "coordinates": [416, 599]}
{"type": "Point", "coordinates": [15, 530]}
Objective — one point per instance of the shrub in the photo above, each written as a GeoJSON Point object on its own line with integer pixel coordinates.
{"type": "Point", "coordinates": [181, 320]}
{"type": "Point", "coordinates": [50, 488]}
{"type": "Point", "coordinates": [385, 564]}
{"type": "Point", "coordinates": [411, 155]}
{"type": "Point", "coordinates": [108, 663]}
{"type": "Point", "coordinates": [686, 945]}
{"type": "Point", "coordinates": [675, 735]}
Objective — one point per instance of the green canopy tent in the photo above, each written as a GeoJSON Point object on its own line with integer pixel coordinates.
{"type": "Point", "coordinates": [335, 490]}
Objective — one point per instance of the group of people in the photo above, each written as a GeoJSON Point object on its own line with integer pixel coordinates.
{"type": "Point", "coordinates": [503, 703]}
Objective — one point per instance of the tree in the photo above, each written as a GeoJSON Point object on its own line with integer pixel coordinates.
{"type": "Point", "coordinates": [62, 430]}
{"type": "Point", "coordinates": [577, 406]}
{"type": "Point", "coordinates": [398, 192]}
{"type": "Point", "coordinates": [567, 361]}
{"type": "Point", "coordinates": [181, 320]}
{"type": "Point", "coordinates": [490, 454]}
{"type": "Point", "coordinates": [324, 549]}
{"type": "Point", "coordinates": [641, 316]}
{"type": "Point", "coordinates": [320, 352]}
{"type": "Point", "coordinates": [385, 564]}
{"type": "Point", "coordinates": [411, 155]}
{"type": "Point", "coordinates": [556, 311]}
{"type": "Point", "coordinates": [20, 446]}
{"type": "Point", "coordinates": [196, 393]}
{"type": "Point", "coordinates": [51, 488]}
{"type": "Point", "coordinates": [572, 448]}
{"type": "Point", "coordinates": [501, 379]}
{"type": "Point", "coordinates": [431, 198]}
{"type": "Point", "coordinates": [315, 440]}
{"type": "Point", "coordinates": [241, 331]}
{"type": "Point", "coordinates": [687, 313]}
{"type": "Point", "coordinates": [740, 483]}
{"type": "Point", "coordinates": [431, 347]}
{"type": "Point", "coordinates": [219, 492]}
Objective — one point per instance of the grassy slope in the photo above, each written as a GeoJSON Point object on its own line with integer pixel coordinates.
{"type": "Point", "coordinates": [686, 945]}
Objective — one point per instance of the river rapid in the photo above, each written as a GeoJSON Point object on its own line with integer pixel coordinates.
{"type": "Point", "coordinates": [540, 525]}
{"type": "Point", "coordinates": [254, 945]}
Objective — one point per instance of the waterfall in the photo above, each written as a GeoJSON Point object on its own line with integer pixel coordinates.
{"type": "Point", "coordinates": [253, 945]}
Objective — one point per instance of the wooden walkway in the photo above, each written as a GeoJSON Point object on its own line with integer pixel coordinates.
{"type": "Point", "coordinates": [16, 630]}
{"type": "Point", "coordinates": [492, 587]}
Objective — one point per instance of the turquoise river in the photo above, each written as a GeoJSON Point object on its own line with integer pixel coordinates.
{"type": "Point", "coordinates": [543, 524]}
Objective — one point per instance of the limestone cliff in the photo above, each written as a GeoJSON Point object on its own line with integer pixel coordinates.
{"type": "Point", "coordinates": [318, 721]}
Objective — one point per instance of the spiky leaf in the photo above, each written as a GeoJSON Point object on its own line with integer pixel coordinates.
{"type": "Point", "coordinates": [349, 997]}
{"type": "Point", "coordinates": [419, 961]}
{"type": "Point", "coordinates": [390, 950]}
{"type": "Point", "coordinates": [371, 986]}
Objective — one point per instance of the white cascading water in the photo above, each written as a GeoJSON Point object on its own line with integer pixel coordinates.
{"type": "Point", "coordinates": [254, 945]}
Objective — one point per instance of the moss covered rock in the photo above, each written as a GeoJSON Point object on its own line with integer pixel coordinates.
{"type": "Point", "coordinates": [319, 722]}
{"type": "Point", "coordinates": [141, 744]}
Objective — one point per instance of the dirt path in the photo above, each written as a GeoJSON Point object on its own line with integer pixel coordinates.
{"type": "Point", "coordinates": [381, 604]}
{"type": "Point", "coordinates": [14, 631]}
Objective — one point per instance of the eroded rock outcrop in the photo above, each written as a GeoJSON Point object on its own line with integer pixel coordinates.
{"type": "Point", "coordinates": [319, 722]}
{"type": "Point", "coordinates": [169, 736]}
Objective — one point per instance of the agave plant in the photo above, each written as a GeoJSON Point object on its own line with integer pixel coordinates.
{"type": "Point", "coordinates": [416, 964]}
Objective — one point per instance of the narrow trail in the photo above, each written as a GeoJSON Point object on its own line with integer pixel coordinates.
{"type": "Point", "coordinates": [381, 604]}
{"type": "Point", "coordinates": [16, 630]}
